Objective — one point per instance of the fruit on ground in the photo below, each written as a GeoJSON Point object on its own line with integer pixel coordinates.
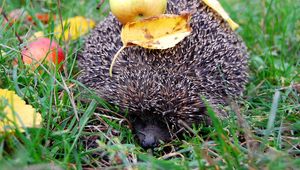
{"type": "Point", "coordinates": [133, 10]}
{"type": "Point", "coordinates": [43, 49]}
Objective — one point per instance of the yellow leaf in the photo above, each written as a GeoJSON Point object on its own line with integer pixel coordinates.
{"type": "Point", "coordinates": [215, 5]}
{"type": "Point", "coordinates": [159, 32]}
{"type": "Point", "coordinates": [14, 113]}
{"type": "Point", "coordinates": [76, 27]}
{"type": "Point", "coordinates": [36, 35]}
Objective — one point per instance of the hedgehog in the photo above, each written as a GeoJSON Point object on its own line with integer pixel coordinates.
{"type": "Point", "coordinates": [160, 90]}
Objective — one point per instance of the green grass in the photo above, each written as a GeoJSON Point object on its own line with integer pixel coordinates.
{"type": "Point", "coordinates": [262, 133]}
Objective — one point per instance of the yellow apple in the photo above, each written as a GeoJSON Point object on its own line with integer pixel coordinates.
{"type": "Point", "coordinates": [134, 10]}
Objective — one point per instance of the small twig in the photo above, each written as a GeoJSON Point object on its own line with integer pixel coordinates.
{"type": "Point", "coordinates": [60, 18]}
{"type": "Point", "coordinates": [186, 126]}
{"type": "Point", "coordinates": [105, 10]}
{"type": "Point", "coordinates": [71, 97]}
{"type": "Point", "coordinates": [294, 86]}
{"type": "Point", "coordinates": [100, 4]}
{"type": "Point", "coordinates": [7, 20]}
{"type": "Point", "coordinates": [117, 114]}
{"type": "Point", "coordinates": [101, 120]}
{"type": "Point", "coordinates": [170, 155]}
{"type": "Point", "coordinates": [208, 158]}
{"type": "Point", "coordinates": [63, 37]}
{"type": "Point", "coordinates": [173, 135]}
{"type": "Point", "coordinates": [189, 129]}
{"type": "Point", "coordinates": [250, 142]}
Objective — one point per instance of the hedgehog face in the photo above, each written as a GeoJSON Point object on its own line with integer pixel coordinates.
{"type": "Point", "coordinates": [150, 131]}
{"type": "Point", "coordinates": [160, 123]}
{"type": "Point", "coordinates": [151, 128]}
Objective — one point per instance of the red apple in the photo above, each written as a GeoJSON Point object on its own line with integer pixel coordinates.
{"type": "Point", "coordinates": [42, 49]}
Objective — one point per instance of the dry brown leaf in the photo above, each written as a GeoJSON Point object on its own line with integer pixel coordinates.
{"type": "Point", "coordinates": [159, 32]}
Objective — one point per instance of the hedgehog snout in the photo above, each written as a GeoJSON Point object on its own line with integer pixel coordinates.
{"type": "Point", "coordinates": [149, 134]}
{"type": "Point", "coordinates": [147, 140]}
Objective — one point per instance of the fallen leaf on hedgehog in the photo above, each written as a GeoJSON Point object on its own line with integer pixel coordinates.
{"type": "Point", "coordinates": [15, 113]}
{"type": "Point", "coordinates": [158, 32]}
{"type": "Point", "coordinates": [216, 6]}
{"type": "Point", "coordinates": [74, 28]}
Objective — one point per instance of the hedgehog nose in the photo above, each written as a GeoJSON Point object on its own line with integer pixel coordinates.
{"type": "Point", "coordinates": [149, 142]}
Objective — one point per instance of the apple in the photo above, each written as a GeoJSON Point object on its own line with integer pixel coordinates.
{"type": "Point", "coordinates": [134, 10]}
{"type": "Point", "coordinates": [43, 17]}
{"type": "Point", "coordinates": [13, 17]}
{"type": "Point", "coordinates": [42, 49]}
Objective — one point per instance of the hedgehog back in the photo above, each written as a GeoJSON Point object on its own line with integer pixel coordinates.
{"type": "Point", "coordinates": [211, 62]}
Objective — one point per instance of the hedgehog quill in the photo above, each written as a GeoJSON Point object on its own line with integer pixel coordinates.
{"type": "Point", "coordinates": [160, 88]}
